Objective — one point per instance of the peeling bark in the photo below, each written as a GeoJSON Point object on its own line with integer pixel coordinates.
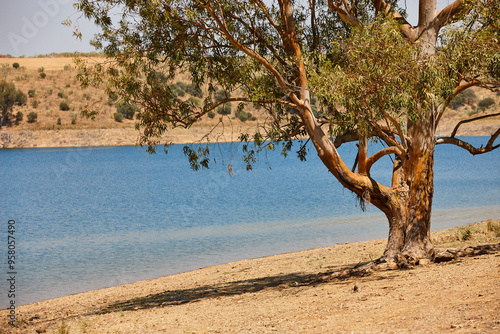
{"type": "Point", "coordinates": [409, 208]}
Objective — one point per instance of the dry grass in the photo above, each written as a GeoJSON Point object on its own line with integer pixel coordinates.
{"type": "Point", "coordinates": [469, 235]}
{"type": "Point", "coordinates": [61, 79]}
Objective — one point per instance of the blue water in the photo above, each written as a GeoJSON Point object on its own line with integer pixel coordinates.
{"type": "Point", "coordinates": [93, 217]}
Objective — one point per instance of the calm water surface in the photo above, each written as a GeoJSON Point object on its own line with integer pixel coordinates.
{"type": "Point", "coordinates": [89, 218]}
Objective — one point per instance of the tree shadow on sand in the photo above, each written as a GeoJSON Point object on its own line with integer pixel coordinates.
{"type": "Point", "coordinates": [233, 288]}
{"type": "Point", "coordinates": [339, 275]}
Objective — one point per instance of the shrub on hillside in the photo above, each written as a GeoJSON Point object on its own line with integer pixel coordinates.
{"type": "Point", "coordinates": [194, 101]}
{"type": "Point", "coordinates": [211, 114]}
{"type": "Point", "coordinates": [9, 97]}
{"type": "Point", "coordinates": [59, 121]}
{"type": "Point", "coordinates": [63, 106]}
{"type": "Point", "coordinates": [486, 103]}
{"type": "Point", "coordinates": [15, 65]}
{"type": "Point", "coordinates": [112, 98]}
{"type": "Point", "coordinates": [178, 89]}
{"type": "Point", "coordinates": [32, 116]}
{"type": "Point", "coordinates": [35, 103]}
{"type": "Point", "coordinates": [118, 116]}
{"type": "Point", "coordinates": [73, 116]}
{"type": "Point", "coordinates": [20, 98]}
{"type": "Point", "coordinates": [466, 97]}
{"type": "Point", "coordinates": [181, 85]}
{"type": "Point", "coordinates": [194, 91]}
{"type": "Point", "coordinates": [243, 116]}
{"type": "Point", "coordinates": [19, 117]}
{"type": "Point", "coordinates": [43, 75]}
{"type": "Point", "coordinates": [32, 92]}
{"type": "Point", "coordinates": [224, 109]}
{"type": "Point", "coordinates": [221, 95]}
{"type": "Point", "coordinates": [126, 109]}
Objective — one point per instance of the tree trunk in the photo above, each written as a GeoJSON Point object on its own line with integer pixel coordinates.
{"type": "Point", "coordinates": [409, 210]}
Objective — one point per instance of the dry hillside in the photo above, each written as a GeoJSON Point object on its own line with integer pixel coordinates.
{"type": "Point", "coordinates": [51, 81]}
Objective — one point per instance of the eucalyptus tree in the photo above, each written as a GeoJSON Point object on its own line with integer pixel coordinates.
{"type": "Point", "coordinates": [373, 77]}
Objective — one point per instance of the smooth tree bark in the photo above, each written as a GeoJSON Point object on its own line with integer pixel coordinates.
{"type": "Point", "coordinates": [279, 55]}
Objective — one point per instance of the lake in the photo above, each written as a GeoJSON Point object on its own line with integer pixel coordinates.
{"type": "Point", "coordinates": [94, 217]}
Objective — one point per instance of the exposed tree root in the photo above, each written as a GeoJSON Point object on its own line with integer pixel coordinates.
{"type": "Point", "coordinates": [405, 261]}
{"type": "Point", "coordinates": [448, 254]}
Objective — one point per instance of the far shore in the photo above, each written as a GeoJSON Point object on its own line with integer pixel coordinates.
{"type": "Point", "coordinates": [128, 136]}
{"type": "Point", "coordinates": [56, 128]}
{"type": "Point", "coordinates": [295, 293]}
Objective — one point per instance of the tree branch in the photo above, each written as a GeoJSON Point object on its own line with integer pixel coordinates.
{"type": "Point", "coordinates": [470, 120]}
{"type": "Point", "coordinates": [448, 13]}
{"type": "Point", "coordinates": [398, 128]}
{"type": "Point", "coordinates": [265, 10]}
{"type": "Point", "coordinates": [406, 28]}
{"type": "Point", "coordinates": [469, 147]}
{"type": "Point", "coordinates": [344, 11]}
{"type": "Point", "coordinates": [345, 138]}
{"type": "Point", "coordinates": [252, 54]}
{"type": "Point", "coordinates": [256, 34]}
{"type": "Point", "coordinates": [385, 137]}
{"type": "Point", "coordinates": [383, 152]}
{"type": "Point", "coordinates": [468, 83]}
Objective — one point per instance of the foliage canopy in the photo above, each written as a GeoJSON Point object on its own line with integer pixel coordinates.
{"type": "Point", "coordinates": [332, 71]}
{"type": "Point", "coordinates": [361, 73]}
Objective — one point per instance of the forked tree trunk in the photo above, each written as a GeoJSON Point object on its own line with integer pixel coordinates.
{"type": "Point", "coordinates": [408, 202]}
{"type": "Point", "coordinates": [409, 210]}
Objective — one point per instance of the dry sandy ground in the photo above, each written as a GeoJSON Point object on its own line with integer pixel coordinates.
{"type": "Point", "coordinates": [49, 64]}
{"type": "Point", "coordinates": [293, 293]}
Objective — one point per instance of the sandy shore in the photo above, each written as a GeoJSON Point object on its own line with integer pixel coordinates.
{"type": "Point", "coordinates": [294, 293]}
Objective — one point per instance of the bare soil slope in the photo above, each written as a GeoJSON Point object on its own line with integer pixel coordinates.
{"type": "Point", "coordinates": [61, 85]}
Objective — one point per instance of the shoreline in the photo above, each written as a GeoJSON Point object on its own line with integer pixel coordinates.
{"type": "Point", "coordinates": [127, 136]}
{"type": "Point", "coordinates": [272, 294]}
{"type": "Point", "coordinates": [458, 217]}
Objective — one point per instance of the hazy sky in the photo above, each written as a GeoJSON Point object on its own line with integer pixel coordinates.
{"type": "Point", "coordinates": [31, 27]}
